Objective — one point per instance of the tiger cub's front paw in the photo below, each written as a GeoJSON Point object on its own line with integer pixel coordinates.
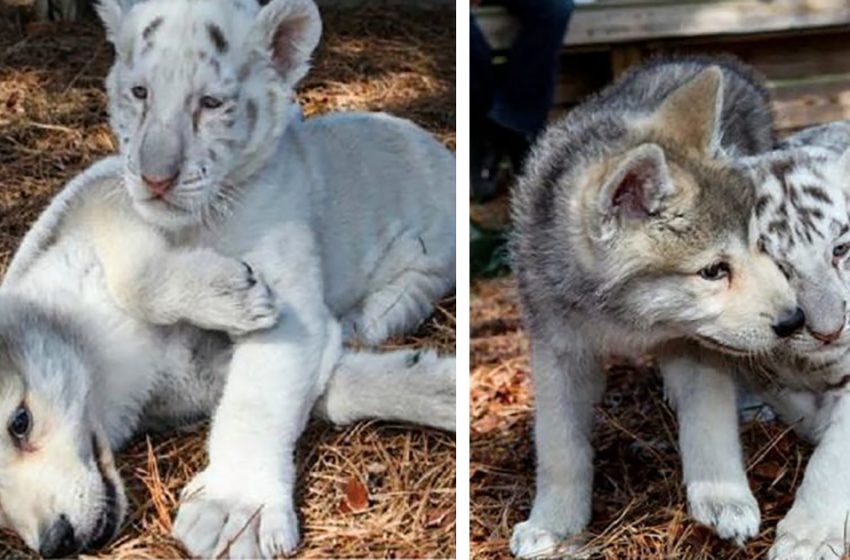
{"type": "Point", "coordinates": [238, 302]}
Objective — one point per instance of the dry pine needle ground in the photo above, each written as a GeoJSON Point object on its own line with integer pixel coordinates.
{"type": "Point", "coordinates": [639, 508]}
{"type": "Point", "coordinates": [376, 490]}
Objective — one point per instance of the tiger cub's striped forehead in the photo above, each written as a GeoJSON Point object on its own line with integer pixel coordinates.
{"type": "Point", "coordinates": [209, 30]}
{"type": "Point", "coordinates": [800, 203]}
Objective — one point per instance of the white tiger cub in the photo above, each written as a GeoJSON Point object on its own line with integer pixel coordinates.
{"type": "Point", "coordinates": [802, 219]}
{"type": "Point", "coordinates": [807, 385]}
{"type": "Point", "coordinates": [347, 217]}
{"type": "Point", "coordinates": [79, 375]}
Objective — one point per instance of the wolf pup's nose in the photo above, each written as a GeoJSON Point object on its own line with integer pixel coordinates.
{"type": "Point", "coordinates": [789, 323]}
{"type": "Point", "coordinates": [59, 541]}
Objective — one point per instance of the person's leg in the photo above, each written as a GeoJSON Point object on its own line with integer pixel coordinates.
{"type": "Point", "coordinates": [523, 101]}
{"type": "Point", "coordinates": [480, 70]}
{"type": "Point", "coordinates": [484, 157]}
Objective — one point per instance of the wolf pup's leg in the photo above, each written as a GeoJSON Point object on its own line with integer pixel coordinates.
{"type": "Point", "coordinates": [818, 523]}
{"type": "Point", "coordinates": [709, 441]}
{"type": "Point", "coordinates": [568, 381]}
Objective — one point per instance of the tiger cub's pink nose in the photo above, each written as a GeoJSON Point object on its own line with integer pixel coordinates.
{"type": "Point", "coordinates": [159, 187]}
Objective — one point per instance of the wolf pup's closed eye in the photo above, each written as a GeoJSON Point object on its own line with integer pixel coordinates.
{"type": "Point", "coordinates": [632, 230]}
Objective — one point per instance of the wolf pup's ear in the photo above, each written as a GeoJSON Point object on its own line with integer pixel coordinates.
{"type": "Point", "coordinates": [638, 186]}
{"type": "Point", "coordinates": [291, 30]}
{"type": "Point", "coordinates": [111, 13]}
{"type": "Point", "coordinates": [691, 113]}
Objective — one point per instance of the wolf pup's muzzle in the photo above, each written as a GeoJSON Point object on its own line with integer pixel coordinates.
{"type": "Point", "coordinates": [62, 540]}
{"type": "Point", "coordinates": [789, 323]}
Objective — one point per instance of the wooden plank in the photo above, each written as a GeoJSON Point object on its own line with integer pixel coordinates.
{"type": "Point", "coordinates": [623, 58]}
{"type": "Point", "coordinates": [782, 58]}
{"type": "Point", "coordinates": [788, 58]}
{"type": "Point", "coordinates": [797, 103]}
{"type": "Point", "coordinates": [797, 57]}
{"type": "Point", "coordinates": [600, 24]}
{"type": "Point", "coordinates": [803, 103]}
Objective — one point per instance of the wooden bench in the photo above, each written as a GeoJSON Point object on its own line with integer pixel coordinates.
{"type": "Point", "coordinates": [801, 46]}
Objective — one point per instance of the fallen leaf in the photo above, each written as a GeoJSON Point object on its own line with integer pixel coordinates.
{"type": "Point", "coordinates": [436, 518]}
{"type": "Point", "coordinates": [356, 495]}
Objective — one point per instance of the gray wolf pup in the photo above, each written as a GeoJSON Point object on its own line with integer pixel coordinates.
{"type": "Point", "coordinates": [632, 232]}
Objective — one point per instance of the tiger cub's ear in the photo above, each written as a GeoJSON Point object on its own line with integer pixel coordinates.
{"type": "Point", "coordinates": [844, 170]}
{"type": "Point", "coordinates": [291, 30]}
{"type": "Point", "coordinates": [844, 163]}
{"type": "Point", "coordinates": [111, 13]}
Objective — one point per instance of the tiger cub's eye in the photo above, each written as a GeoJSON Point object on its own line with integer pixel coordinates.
{"type": "Point", "coordinates": [140, 92]}
{"type": "Point", "coordinates": [210, 102]}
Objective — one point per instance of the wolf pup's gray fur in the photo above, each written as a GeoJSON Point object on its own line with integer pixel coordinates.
{"type": "Point", "coordinates": [632, 231]}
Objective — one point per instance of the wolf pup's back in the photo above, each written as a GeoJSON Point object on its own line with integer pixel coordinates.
{"type": "Point", "coordinates": [632, 230]}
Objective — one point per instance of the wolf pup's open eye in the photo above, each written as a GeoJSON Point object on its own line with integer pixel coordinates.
{"type": "Point", "coordinates": [716, 271]}
{"type": "Point", "coordinates": [210, 102]}
{"type": "Point", "coordinates": [140, 92]}
{"type": "Point", "coordinates": [20, 423]}
{"type": "Point", "coordinates": [840, 250]}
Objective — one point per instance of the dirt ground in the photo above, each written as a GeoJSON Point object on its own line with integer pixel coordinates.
{"type": "Point", "coordinates": [373, 489]}
{"type": "Point", "coordinates": [639, 509]}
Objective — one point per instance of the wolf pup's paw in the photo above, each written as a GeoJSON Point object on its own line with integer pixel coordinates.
{"type": "Point", "coordinates": [240, 301]}
{"type": "Point", "coordinates": [728, 508]}
{"type": "Point", "coordinates": [803, 536]}
{"type": "Point", "coordinates": [531, 541]}
{"type": "Point", "coordinates": [217, 520]}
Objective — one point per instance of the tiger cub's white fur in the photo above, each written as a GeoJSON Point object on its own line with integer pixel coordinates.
{"type": "Point", "coordinates": [89, 375]}
{"type": "Point", "coordinates": [349, 219]}
{"type": "Point", "coordinates": [807, 383]}
{"type": "Point", "coordinates": [801, 220]}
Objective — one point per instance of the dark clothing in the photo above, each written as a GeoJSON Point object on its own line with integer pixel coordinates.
{"type": "Point", "coordinates": [520, 100]}
{"type": "Point", "coordinates": [482, 81]}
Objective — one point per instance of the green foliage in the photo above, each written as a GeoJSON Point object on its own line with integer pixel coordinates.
{"type": "Point", "coordinates": [488, 252]}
